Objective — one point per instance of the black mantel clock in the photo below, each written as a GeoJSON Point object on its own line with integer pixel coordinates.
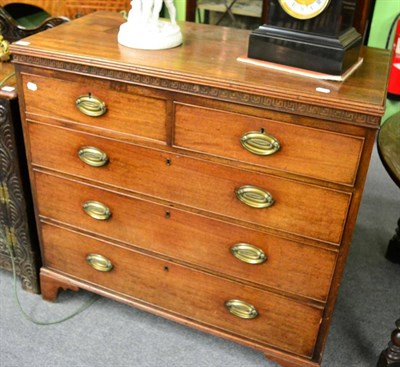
{"type": "Point", "coordinates": [315, 35]}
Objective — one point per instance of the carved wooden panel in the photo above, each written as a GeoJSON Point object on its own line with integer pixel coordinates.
{"type": "Point", "coordinates": [72, 8]}
{"type": "Point", "coordinates": [50, 6]}
{"type": "Point", "coordinates": [16, 219]}
{"type": "Point", "coordinates": [12, 32]}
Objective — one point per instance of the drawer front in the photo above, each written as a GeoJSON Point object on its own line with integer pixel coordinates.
{"type": "Point", "coordinates": [298, 208]}
{"type": "Point", "coordinates": [306, 151]}
{"type": "Point", "coordinates": [127, 113]}
{"type": "Point", "coordinates": [218, 246]}
{"type": "Point", "coordinates": [191, 294]}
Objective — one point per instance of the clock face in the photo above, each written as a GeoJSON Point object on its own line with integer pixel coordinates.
{"type": "Point", "coordinates": [304, 9]}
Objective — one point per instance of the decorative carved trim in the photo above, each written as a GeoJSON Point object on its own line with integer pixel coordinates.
{"type": "Point", "coordinates": [13, 214]}
{"type": "Point", "coordinates": [206, 91]}
{"type": "Point", "coordinates": [12, 32]}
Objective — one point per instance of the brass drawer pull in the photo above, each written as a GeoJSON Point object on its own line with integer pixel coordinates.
{"type": "Point", "coordinates": [248, 253]}
{"type": "Point", "coordinates": [241, 309]}
{"type": "Point", "coordinates": [99, 262]}
{"type": "Point", "coordinates": [254, 197]}
{"type": "Point", "coordinates": [91, 105]}
{"type": "Point", "coordinates": [260, 143]}
{"type": "Point", "coordinates": [96, 210]}
{"type": "Point", "coordinates": [93, 156]}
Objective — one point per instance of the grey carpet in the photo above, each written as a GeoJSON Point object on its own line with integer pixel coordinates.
{"type": "Point", "coordinates": [113, 334]}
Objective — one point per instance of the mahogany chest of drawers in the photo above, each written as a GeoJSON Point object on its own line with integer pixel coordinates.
{"type": "Point", "coordinates": [185, 183]}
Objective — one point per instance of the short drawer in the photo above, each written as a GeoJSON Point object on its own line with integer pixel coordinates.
{"type": "Point", "coordinates": [143, 115]}
{"type": "Point", "coordinates": [261, 316]}
{"type": "Point", "coordinates": [287, 147]}
{"type": "Point", "coordinates": [204, 242]}
{"type": "Point", "coordinates": [298, 208]}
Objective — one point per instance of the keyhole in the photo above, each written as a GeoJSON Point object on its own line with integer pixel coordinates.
{"type": "Point", "coordinates": [262, 130]}
{"type": "Point", "coordinates": [167, 215]}
{"type": "Point", "coordinates": [168, 162]}
{"type": "Point", "coordinates": [166, 268]}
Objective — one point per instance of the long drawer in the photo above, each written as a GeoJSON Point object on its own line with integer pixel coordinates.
{"type": "Point", "coordinates": [102, 105]}
{"type": "Point", "coordinates": [299, 208]}
{"type": "Point", "coordinates": [256, 315]}
{"type": "Point", "coordinates": [287, 147]}
{"type": "Point", "coordinates": [218, 246]}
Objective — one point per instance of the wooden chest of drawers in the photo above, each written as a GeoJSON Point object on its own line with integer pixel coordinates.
{"type": "Point", "coordinates": [188, 184]}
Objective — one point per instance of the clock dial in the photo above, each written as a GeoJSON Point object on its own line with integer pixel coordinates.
{"type": "Point", "coordinates": [304, 9]}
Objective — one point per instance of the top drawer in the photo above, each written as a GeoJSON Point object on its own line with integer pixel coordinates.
{"type": "Point", "coordinates": [306, 151]}
{"type": "Point", "coordinates": [143, 115]}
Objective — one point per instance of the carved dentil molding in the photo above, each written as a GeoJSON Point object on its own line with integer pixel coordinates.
{"type": "Point", "coordinates": [222, 94]}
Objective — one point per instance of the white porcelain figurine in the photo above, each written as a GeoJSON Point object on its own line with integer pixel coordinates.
{"type": "Point", "coordinates": [145, 30]}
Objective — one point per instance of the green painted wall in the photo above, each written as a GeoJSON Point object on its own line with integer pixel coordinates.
{"type": "Point", "coordinates": [180, 6]}
{"type": "Point", "coordinates": [385, 12]}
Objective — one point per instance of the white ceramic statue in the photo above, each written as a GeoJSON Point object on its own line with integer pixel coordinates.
{"type": "Point", "coordinates": [145, 30]}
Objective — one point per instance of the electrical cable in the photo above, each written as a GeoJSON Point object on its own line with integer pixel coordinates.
{"type": "Point", "coordinates": [85, 306]}
{"type": "Point", "coordinates": [391, 30]}
{"type": "Point", "coordinates": [9, 76]}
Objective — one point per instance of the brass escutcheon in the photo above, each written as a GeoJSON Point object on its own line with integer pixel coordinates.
{"type": "Point", "coordinates": [93, 156]}
{"type": "Point", "coordinates": [99, 262]}
{"type": "Point", "coordinates": [96, 210]}
{"type": "Point", "coordinates": [241, 309]}
{"type": "Point", "coordinates": [254, 197]}
{"type": "Point", "coordinates": [260, 143]}
{"type": "Point", "coordinates": [91, 105]}
{"type": "Point", "coordinates": [249, 254]}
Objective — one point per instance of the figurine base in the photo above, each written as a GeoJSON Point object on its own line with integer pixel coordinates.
{"type": "Point", "coordinates": [160, 36]}
{"type": "Point", "coordinates": [326, 55]}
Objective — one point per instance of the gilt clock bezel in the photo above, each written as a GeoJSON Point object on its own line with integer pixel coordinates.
{"type": "Point", "coordinates": [288, 7]}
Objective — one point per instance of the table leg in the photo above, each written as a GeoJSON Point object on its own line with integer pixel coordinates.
{"type": "Point", "coordinates": [390, 357]}
{"type": "Point", "coordinates": [393, 250]}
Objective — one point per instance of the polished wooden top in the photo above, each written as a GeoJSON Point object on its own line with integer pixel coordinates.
{"type": "Point", "coordinates": [208, 58]}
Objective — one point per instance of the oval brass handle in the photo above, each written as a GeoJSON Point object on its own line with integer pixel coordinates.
{"type": "Point", "coordinates": [248, 253]}
{"type": "Point", "coordinates": [99, 262]}
{"type": "Point", "coordinates": [254, 197]}
{"type": "Point", "coordinates": [93, 156]}
{"type": "Point", "coordinates": [241, 309]}
{"type": "Point", "coordinates": [260, 143]}
{"type": "Point", "coordinates": [91, 105]}
{"type": "Point", "coordinates": [96, 210]}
